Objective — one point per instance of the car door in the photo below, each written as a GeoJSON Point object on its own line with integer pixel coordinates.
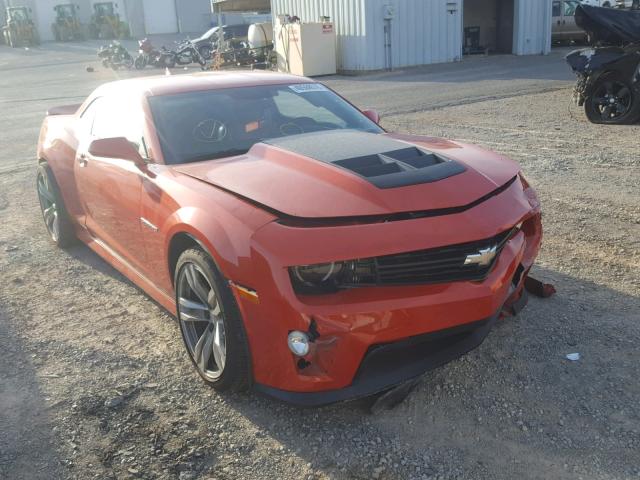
{"type": "Point", "coordinates": [110, 188]}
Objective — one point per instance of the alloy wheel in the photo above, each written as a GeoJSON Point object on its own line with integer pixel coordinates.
{"type": "Point", "coordinates": [201, 321]}
{"type": "Point", "coordinates": [612, 99]}
{"type": "Point", "coordinates": [49, 206]}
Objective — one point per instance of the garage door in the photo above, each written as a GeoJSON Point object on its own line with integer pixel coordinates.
{"type": "Point", "coordinates": [160, 16]}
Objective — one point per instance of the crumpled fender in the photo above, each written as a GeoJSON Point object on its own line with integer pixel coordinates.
{"type": "Point", "coordinates": [590, 60]}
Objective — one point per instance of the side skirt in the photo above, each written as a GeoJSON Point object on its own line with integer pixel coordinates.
{"type": "Point", "coordinates": [120, 264]}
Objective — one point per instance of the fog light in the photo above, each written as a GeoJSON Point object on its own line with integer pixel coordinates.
{"type": "Point", "coordinates": [298, 343]}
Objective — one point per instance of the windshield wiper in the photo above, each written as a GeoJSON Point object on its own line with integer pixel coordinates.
{"type": "Point", "coordinates": [216, 156]}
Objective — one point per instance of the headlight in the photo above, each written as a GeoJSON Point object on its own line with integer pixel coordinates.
{"type": "Point", "coordinates": [317, 275]}
{"type": "Point", "coordinates": [330, 277]}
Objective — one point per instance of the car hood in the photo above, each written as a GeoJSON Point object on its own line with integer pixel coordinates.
{"type": "Point", "coordinates": [351, 174]}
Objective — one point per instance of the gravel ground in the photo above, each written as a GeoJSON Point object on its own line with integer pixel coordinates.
{"type": "Point", "coordinates": [94, 382]}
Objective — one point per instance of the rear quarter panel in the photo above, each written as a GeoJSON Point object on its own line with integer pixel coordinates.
{"type": "Point", "coordinates": [57, 145]}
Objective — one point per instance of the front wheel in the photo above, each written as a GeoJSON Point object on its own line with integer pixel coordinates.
{"type": "Point", "coordinates": [612, 101]}
{"type": "Point", "coordinates": [169, 61]}
{"type": "Point", "coordinates": [55, 215]}
{"type": "Point", "coordinates": [128, 61]}
{"type": "Point", "coordinates": [140, 62]}
{"type": "Point", "coordinates": [210, 322]}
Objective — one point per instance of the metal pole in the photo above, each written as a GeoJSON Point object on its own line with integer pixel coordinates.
{"type": "Point", "coordinates": [175, 6]}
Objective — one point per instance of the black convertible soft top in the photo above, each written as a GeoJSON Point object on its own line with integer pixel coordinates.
{"type": "Point", "coordinates": [609, 25]}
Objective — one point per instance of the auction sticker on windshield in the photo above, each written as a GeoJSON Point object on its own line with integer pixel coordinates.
{"type": "Point", "coordinates": [308, 87]}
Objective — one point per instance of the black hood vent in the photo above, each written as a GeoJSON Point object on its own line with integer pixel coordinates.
{"type": "Point", "coordinates": [383, 161]}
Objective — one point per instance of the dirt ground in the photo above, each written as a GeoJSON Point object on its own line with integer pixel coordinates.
{"type": "Point", "coordinates": [94, 381]}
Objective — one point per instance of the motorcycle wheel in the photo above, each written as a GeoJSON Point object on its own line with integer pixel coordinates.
{"type": "Point", "coordinates": [612, 101]}
{"type": "Point", "coordinates": [206, 51]}
{"type": "Point", "coordinates": [140, 62]}
{"type": "Point", "coordinates": [128, 62]}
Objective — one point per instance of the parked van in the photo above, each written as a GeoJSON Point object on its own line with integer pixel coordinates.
{"type": "Point", "coordinates": [599, 3]}
{"type": "Point", "coordinates": [564, 26]}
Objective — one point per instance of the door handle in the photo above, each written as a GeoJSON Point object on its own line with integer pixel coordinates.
{"type": "Point", "coordinates": [83, 160]}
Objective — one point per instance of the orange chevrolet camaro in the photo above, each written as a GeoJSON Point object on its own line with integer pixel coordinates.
{"type": "Point", "coordinates": [305, 252]}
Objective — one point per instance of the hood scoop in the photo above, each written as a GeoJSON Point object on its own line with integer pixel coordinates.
{"type": "Point", "coordinates": [383, 161]}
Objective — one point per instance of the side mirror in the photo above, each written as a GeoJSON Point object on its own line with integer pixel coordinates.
{"type": "Point", "coordinates": [117, 147]}
{"type": "Point", "coordinates": [372, 115]}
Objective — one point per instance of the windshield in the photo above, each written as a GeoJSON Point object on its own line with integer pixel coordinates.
{"type": "Point", "coordinates": [220, 123]}
{"type": "Point", "coordinates": [65, 11]}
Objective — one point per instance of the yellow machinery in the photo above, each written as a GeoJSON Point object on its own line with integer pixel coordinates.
{"type": "Point", "coordinates": [106, 23]}
{"type": "Point", "coordinates": [20, 30]}
{"type": "Point", "coordinates": [67, 26]}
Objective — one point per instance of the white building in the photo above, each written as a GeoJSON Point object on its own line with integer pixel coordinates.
{"type": "Point", "coordinates": [385, 34]}
{"type": "Point", "coordinates": [145, 17]}
{"type": "Point", "coordinates": [371, 34]}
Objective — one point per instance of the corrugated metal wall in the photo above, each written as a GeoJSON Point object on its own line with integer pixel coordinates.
{"type": "Point", "coordinates": [194, 16]}
{"type": "Point", "coordinates": [422, 31]}
{"type": "Point", "coordinates": [348, 17]}
{"type": "Point", "coordinates": [532, 27]}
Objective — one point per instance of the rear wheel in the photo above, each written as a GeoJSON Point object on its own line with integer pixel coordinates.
{"type": "Point", "coordinates": [206, 51]}
{"type": "Point", "coordinates": [55, 216]}
{"type": "Point", "coordinates": [210, 322]}
{"type": "Point", "coordinates": [612, 101]}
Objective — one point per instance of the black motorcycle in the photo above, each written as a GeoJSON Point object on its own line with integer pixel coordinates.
{"type": "Point", "coordinates": [149, 55]}
{"type": "Point", "coordinates": [187, 53]}
{"type": "Point", "coordinates": [608, 83]}
{"type": "Point", "coordinates": [115, 56]}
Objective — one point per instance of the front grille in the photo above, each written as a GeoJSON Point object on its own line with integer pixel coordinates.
{"type": "Point", "coordinates": [436, 265]}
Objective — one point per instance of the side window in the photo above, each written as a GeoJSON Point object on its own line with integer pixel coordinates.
{"type": "Point", "coordinates": [556, 9]}
{"type": "Point", "coordinates": [570, 8]}
{"type": "Point", "coordinates": [120, 118]}
{"type": "Point", "coordinates": [85, 124]}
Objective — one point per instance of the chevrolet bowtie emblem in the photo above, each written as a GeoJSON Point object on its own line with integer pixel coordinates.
{"type": "Point", "coordinates": [482, 258]}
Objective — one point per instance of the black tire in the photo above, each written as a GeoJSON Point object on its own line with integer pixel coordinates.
{"type": "Point", "coordinates": [140, 62]}
{"type": "Point", "coordinates": [128, 62]}
{"type": "Point", "coordinates": [63, 234]}
{"type": "Point", "coordinates": [206, 51]}
{"type": "Point", "coordinates": [612, 101]}
{"type": "Point", "coordinates": [235, 373]}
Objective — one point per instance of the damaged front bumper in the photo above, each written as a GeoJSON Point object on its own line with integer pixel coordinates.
{"type": "Point", "coordinates": [387, 365]}
{"type": "Point", "coordinates": [367, 340]}
{"type": "Point", "coordinates": [580, 89]}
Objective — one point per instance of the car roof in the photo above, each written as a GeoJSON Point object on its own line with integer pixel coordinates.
{"type": "Point", "coordinates": [183, 83]}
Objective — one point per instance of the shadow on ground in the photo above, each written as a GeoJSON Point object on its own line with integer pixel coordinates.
{"type": "Point", "coordinates": [23, 410]}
